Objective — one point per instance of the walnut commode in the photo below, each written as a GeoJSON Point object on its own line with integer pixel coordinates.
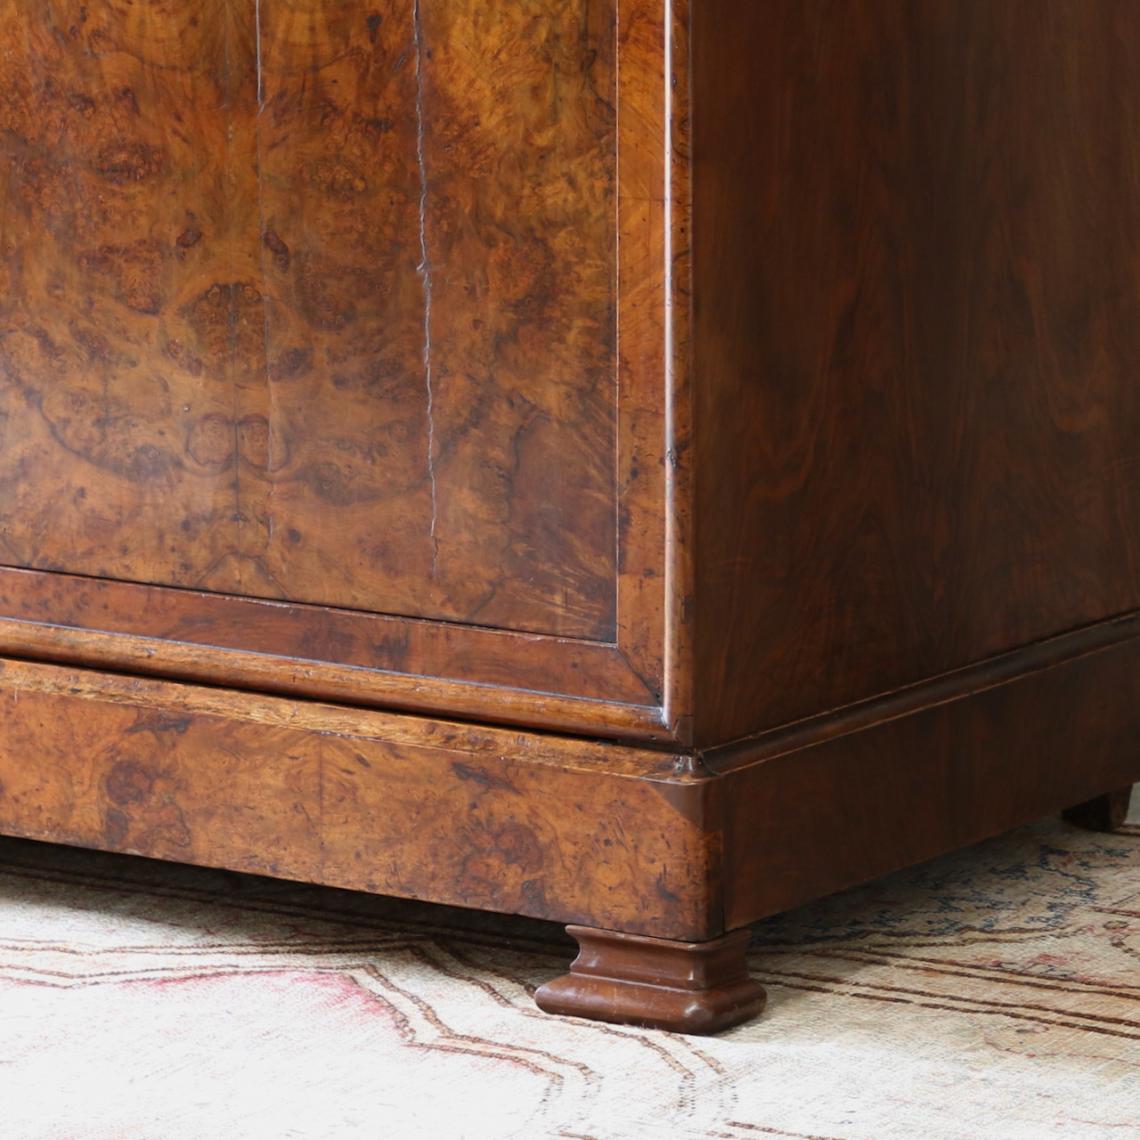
{"type": "Point", "coordinates": [639, 464]}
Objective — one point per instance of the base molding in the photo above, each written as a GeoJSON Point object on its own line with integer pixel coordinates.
{"type": "Point", "coordinates": [495, 819]}
{"type": "Point", "coordinates": [684, 987]}
{"type": "Point", "coordinates": [652, 855]}
{"type": "Point", "coordinates": [893, 792]}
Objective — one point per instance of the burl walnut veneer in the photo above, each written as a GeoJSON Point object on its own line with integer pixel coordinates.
{"type": "Point", "coordinates": [639, 463]}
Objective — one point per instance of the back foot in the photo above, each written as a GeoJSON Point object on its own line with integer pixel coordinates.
{"type": "Point", "coordinates": [1103, 813]}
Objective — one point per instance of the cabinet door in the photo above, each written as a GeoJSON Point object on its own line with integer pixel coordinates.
{"type": "Point", "coordinates": [332, 347]}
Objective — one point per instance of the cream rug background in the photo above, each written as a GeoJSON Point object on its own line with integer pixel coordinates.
{"type": "Point", "coordinates": [991, 994]}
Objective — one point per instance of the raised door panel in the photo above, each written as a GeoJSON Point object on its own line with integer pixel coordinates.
{"type": "Point", "coordinates": [313, 302]}
{"type": "Point", "coordinates": [315, 305]}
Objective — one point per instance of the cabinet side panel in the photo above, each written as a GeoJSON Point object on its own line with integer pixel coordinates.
{"type": "Point", "coordinates": [917, 329]}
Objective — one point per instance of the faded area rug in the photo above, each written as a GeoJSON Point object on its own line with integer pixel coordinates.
{"type": "Point", "coordinates": [991, 994]}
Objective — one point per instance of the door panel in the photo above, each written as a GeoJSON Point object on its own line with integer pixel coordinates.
{"type": "Point", "coordinates": [316, 302]}
{"type": "Point", "coordinates": [310, 378]}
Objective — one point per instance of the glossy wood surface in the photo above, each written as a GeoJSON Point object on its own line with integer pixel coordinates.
{"type": "Point", "coordinates": [250, 423]}
{"type": "Point", "coordinates": [673, 845]}
{"type": "Point", "coordinates": [307, 301]}
{"type": "Point", "coordinates": [803, 819]}
{"type": "Point", "coordinates": [369, 659]}
{"type": "Point", "coordinates": [917, 333]}
{"type": "Point", "coordinates": [495, 819]}
{"type": "Point", "coordinates": [909, 317]}
{"type": "Point", "coordinates": [682, 987]}
{"type": "Point", "coordinates": [755, 384]}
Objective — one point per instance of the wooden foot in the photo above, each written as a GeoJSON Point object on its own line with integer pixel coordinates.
{"type": "Point", "coordinates": [1104, 813]}
{"type": "Point", "coordinates": [686, 987]}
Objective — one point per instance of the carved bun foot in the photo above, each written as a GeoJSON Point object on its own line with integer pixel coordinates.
{"type": "Point", "coordinates": [1104, 813]}
{"type": "Point", "coordinates": [686, 987]}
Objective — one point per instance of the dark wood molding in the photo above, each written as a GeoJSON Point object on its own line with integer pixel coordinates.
{"type": "Point", "coordinates": [958, 685]}
{"type": "Point", "coordinates": [351, 658]}
{"type": "Point", "coordinates": [622, 838]}
{"type": "Point", "coordinates": [918, 785]}
{"type": "Point", "coordinates": [684, 987]}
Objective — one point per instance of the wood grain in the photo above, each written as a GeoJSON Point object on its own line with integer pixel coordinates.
{"type": "Point", "coordinates": [753, 382]}
{"type": "Point", "coordinates": [437, 198]}
{"type": "Point", "coordinates": [682, 987]}
{"type": "Point", "coordinates": [308, 302]}
{"type": "Point", "coordinates": [367, 659]}
{"type": "Point", "coordinates": [114, 159]}
{"type": "Point", "coordinates": [479, 817]}
{"type": "Point", "coordinates": [917, 328]}
{"type": "Point", "coordinates": [673, 845]}
{"type": "Point", "coordinates": [812, 818]}
{"type": "Point", "coordinates": [283, 376]}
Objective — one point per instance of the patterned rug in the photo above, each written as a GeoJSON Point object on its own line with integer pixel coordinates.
{"type": "Point", "coordinates": [991, 994]}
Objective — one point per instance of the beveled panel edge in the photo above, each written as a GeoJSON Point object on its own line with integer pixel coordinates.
{"type": "Point", "coordinates": [619, 759]}
{"type": "Point", "coordinates": [680, 545]}
{"type": "Point", "coordinates": [655, 571]}
{"type": "Point", "coordinates": [367, 688]}
{"type": "Point", "coordinates": [325, 427]}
